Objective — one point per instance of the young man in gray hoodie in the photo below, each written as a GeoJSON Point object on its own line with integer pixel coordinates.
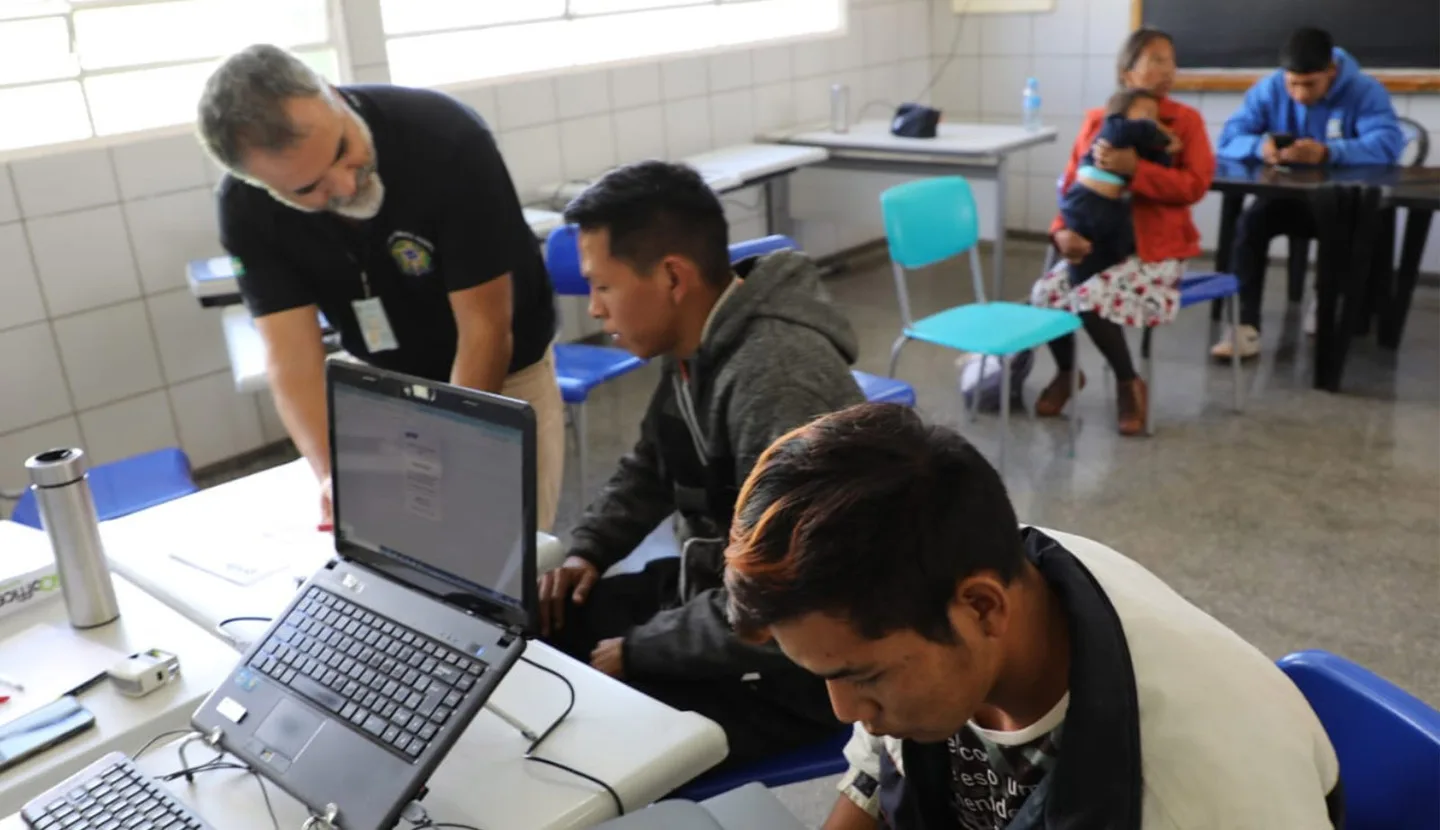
{"type": "Point", "coordinates": [747, 353]}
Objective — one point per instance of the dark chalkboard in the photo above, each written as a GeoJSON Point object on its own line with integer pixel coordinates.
{"type": "Point", "coordinates": [1248, 34]}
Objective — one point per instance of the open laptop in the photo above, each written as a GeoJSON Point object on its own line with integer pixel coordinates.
{"type": "Point", "coordinates": [365, 681]}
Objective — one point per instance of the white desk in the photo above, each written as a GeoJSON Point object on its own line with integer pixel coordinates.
{"type": "Point", "coordinates": [121, 723]}
{"type": "Point", "coordinates": [641, 747]}
{"type": "Point", "coordinates": [737, 167]}
{"type": "Point", "coordinates": [279, 506]}
{"type": "Point", "coordinates": [979, 150]}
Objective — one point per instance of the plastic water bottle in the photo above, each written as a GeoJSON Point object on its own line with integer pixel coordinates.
{"type": "Point", "coordinates": [1030, 105]}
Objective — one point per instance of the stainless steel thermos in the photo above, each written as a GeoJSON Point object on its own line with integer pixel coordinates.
{"type": "Point", "coordinates": [67, 511]}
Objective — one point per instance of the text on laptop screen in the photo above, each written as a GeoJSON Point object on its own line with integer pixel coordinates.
{"type": "Point", "coordinates": [438, 491]}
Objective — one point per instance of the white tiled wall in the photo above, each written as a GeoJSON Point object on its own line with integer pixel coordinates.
{"type": "Point", "coordinates": [1071, 51]}
{"type": "Point", "coordinates": [101, 344]}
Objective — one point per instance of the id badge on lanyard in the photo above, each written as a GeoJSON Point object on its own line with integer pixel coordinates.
{"type": "Point", "coordinates": [374, 325]}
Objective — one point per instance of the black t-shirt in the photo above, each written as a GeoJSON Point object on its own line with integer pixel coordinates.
{"type": "Point", "coordinates": [450, 220]}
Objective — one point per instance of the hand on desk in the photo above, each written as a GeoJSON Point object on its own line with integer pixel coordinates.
{"type": "Point", "coordinates": [609, 657]}
{"type": "Point", "coordinates": [572, 580]}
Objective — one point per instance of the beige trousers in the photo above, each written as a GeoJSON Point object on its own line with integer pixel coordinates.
{"type": "Point", "coordinates": [536, 385]}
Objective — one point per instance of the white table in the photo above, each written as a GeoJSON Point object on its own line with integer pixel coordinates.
{"type": "Point", "coordinates": [978, 150]}
{"type": "Point", "coordinates": [640, 746]}
{"type": "Point", "coordinates": [729, 169]}
{"type": "Point", "coordinates": [121, 723]}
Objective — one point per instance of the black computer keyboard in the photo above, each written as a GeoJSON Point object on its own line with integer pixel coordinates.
{"type": "Point", "coordinates": [110, 794]}
{"type": "Point", "coordinates": [384, 679]}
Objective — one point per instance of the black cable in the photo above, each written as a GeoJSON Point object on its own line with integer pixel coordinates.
{"type": "Point", "coordinates": [157, 739]}
{"type": "Point", "coordinates": [269, 807]}
{"type": "Point", "coordinates": [220, 626]}
{"type": "Point", "coordinates": [530, 753]}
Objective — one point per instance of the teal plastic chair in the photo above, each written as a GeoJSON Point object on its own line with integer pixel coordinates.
{"type": "Point", "coordinates": [932, 220]}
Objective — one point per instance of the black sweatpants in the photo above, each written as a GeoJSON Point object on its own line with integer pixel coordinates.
{"type": "Point", "coordinates": [754, 726]}
{"type": "Point", "coordinates": [1262, 221]}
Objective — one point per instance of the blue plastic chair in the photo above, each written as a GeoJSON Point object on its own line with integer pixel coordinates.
{"type": "Point", "coordinates": [931, 220]}
{"type": "Point", "coordinates": [1388, 742]}
{"type": "Point", "coordinates": [824, 758]}
{"type": "Point", "coordinates": [1195, 288]}
{"type": "Point", "coordinates": [876, 388]}
{"type": "Point", "coordinates": [580, 367]}
{"type": "Point", "coordinates": [126, 486]}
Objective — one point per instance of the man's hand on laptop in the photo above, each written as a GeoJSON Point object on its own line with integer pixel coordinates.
{"type": "Point", "coordinates": [572, 580]}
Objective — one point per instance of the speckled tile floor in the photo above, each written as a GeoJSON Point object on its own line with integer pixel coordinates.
{"type": "Point", "coordinates": [1309, 520]}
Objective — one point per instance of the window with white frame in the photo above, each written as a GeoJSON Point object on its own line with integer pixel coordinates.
{"type": "Point", "coordinates": [76, 69]}
{"type": "Point", "coordinates": [435, 42]}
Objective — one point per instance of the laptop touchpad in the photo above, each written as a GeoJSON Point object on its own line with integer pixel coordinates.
{"type": "Point", "coordinates": [288, 729]}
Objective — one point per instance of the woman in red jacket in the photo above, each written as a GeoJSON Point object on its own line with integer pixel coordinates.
{"type": "Point", "coordinates": [1143, 290]}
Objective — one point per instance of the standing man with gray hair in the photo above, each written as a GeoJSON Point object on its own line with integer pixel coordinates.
{"type": "Point", "coordinates": [389, 210]}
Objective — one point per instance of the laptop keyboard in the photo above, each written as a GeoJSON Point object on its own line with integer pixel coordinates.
{"type": "Point", "coordinates": [110, 794]}
{"type": "Point", "coordinates": [384, 679]}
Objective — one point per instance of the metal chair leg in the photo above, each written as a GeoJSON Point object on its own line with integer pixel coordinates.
{"type": "Point", "coordinates": [973, 408]}
{"type": "Point", "coordinates": [1074, 403]}
{"type": "Point", "coordinates": [1004, 410]}
{"type": "Point", "coordinates": [1235, 374]}
{"type": "Point", "coordinates": [895, 353]}
{"type": "Point", "coordinates": [1148, 364]}
{"type": "Point", "coordinates": [577, 424]}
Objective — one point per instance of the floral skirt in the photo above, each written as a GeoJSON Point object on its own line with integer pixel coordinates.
{"type": "Point", "coordinates": [1132, 293]}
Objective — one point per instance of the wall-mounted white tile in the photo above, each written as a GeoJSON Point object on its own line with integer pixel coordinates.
{"type": "Point", "coordinates": [364, 33]}
{"type": "Point", "coordinates": [730, 70]}
{"type": "Point", "coordinates": [84, 259]}
{"type": "Point", "coordinates": [169, 231]}
{"type": "Point", "coordinates": [1100, 80]}
{"type": "Point", "coordinates": [687, 127]}
{"type": "Point", "coordinates": [1040, 203]}
{"type": "Point", "coordinates": [130, 427]}
{"type": "Point", "coordinates": [32, 377]}
{"type": "Point", "coordinates": [108, 354]}
{"type": "Point", "coordinates": [684, 78]}
{"type": "Point", "coordinates": [9, 210]}
{"type": "Point", "coordinates": [215, 422]}
{"type": "Point", "coordinates": [880, 94]}
{"type": "Point", "coordinates": [188, 335]}
{"type": "Point", "coordinates": [1062, 85]}
{"type": "Point", "coordinates": [914, 78]}
{"type": "Point", "coordinates": [68, 181]}
{"type": "Point", "coordinates": [957, 93]}
{"type": "Point", "coordinates": [752, 228]}
{"type": "Point", "coordinates": [635, 86]}
{"type": "Point", "coordinates": [732, 118]}
{"type": "Point", "coordinates": [1005, 34]}
{"type": "Point", "coordinates": [1217, 107]}
{"type": "Point", "coordinates": [1189, 99]}
{"type": "Point", "coordinates": [1107, 26]}
{"type": "Point", "coordinates": [1426, 110]}
{"type": "Point", "coordinates": [811, 58]}
{"type": "Point", "coordinates": [532, 156]}
{"type": "Point", "coordinates": [16, 447]}
{"type": "Point", "coordinates": [775, 107]}
{"type": "Point", "coordinates": [19, 289]}
{"type": "Point", "coordinates": [914, 23]}
{"type": "Point", "coordinates": [160, 165]}
{"type": "Point", "coordinates": [848, 50]}
{"type": "Point", "coordinates": [374, 73]}
{"type": "Point", "coordinates": [743, 204]}
{"type": "Point", "coordinates": [880, 34]}
{"type": "Point", "coordinates": [214, 172]}
{"type": "Point", "coordinates": [272, 429]}
{"type": "Point", "coordinates": [1060, 31]}
{"type": "Point", "coordinates": [582, 93]}
{"type": "Point", "coordinates": [587, 147]}
{"type": "Point", "coordinates": [640, 134]}
{"type": "Point", "coordinates": [812, 100]}
{"type": "Point", "coordinates": [525, 104]}
{"type": "Point", "coordinates": [951, 32]}
{"type": "Point", "coordinates": [482, 99]}
{"type": "Point", "coordinates": [1050, 159]}
{"type": "Point", "coordinates": [1017, 201]}
{"type": "Point", "coordinates": [1002, 82]}
{"type": "Point", "coordinates": [772, 64]}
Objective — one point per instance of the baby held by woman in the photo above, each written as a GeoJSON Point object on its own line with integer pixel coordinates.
{"type": "Point", "coordinates": [1097, 205]}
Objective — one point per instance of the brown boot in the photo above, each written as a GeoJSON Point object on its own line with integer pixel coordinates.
{"type": "Point", "coordinates": [1134, 406]}
{"type": "Point", "coordinates": [1054, 397]}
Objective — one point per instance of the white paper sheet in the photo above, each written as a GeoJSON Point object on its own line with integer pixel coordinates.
{"type": "Point", "coordinates": [48, 660]}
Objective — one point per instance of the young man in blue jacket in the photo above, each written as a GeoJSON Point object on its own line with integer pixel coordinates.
{"type": "Point", "coordinates": [1335, 115]}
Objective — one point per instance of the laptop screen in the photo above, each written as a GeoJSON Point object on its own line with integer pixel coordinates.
{"type": "Point", "coordinates": [430, 488]}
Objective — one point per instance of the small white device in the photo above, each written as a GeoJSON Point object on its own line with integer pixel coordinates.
{"type": "Point", "coordinates": [140, 674]}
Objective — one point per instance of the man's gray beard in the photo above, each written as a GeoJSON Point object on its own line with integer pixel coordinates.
{"type": "Point", "coordinates": [365, 204]}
